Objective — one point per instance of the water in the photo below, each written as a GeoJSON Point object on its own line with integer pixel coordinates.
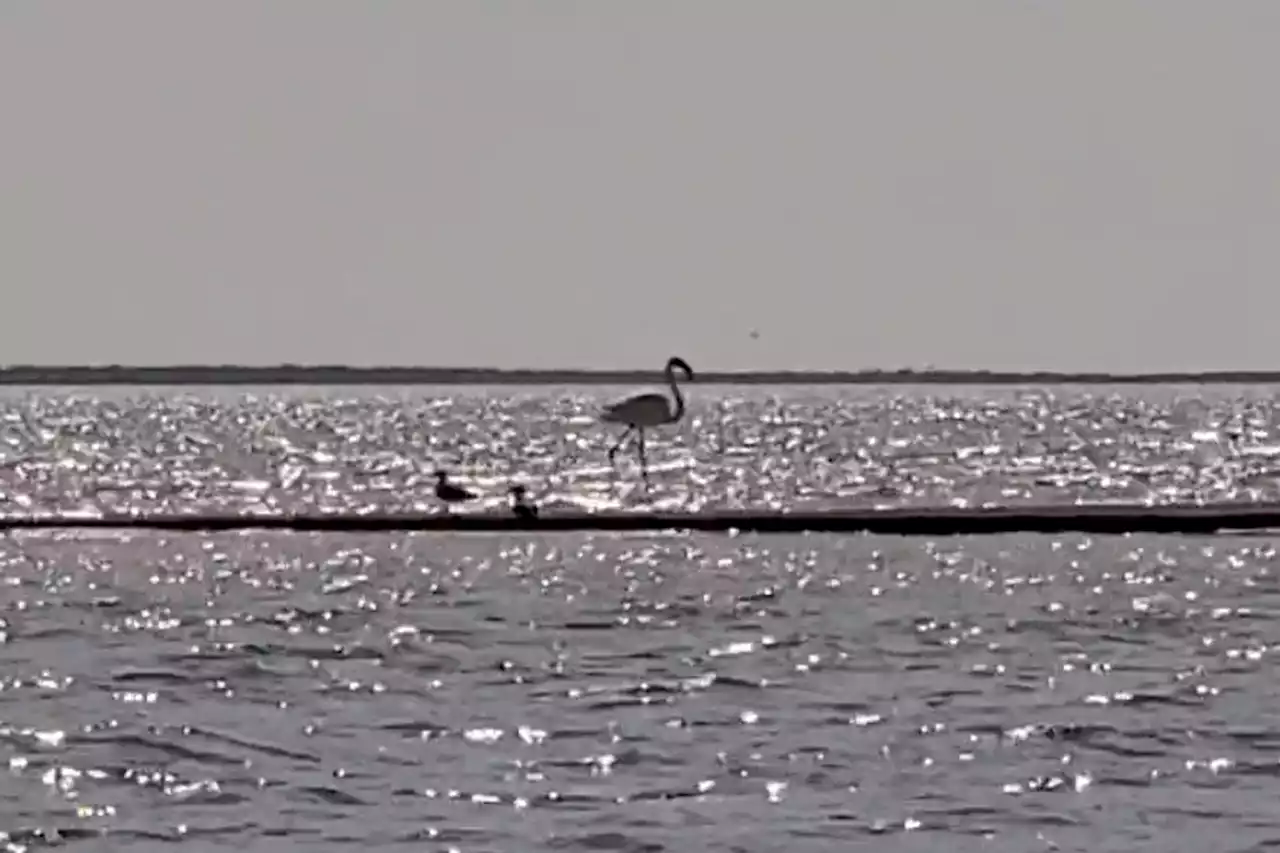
{"type": "Point", "coordinates": [637, 692]}
{"type": "Point", "coordinates": [351, 449]}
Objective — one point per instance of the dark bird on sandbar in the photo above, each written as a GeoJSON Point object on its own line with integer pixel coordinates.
{"type": "Point", "coordinates": [519, 505]}
{"type": "Point", "coordinates": [449, 493]}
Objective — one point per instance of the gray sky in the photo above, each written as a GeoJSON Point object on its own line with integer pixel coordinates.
{"type": "Point", "coordinates": [1083, 184]}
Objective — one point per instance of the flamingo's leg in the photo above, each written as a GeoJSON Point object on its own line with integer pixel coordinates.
{"type": "Point", "coordinates": [644, 462]}
{"type": "Point", "coordinates": [613, 451]}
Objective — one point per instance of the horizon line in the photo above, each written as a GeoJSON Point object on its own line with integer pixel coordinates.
{"type": "Point", "coordinates": [337, 374]}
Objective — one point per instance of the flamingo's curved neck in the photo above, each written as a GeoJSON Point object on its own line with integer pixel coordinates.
{"type": "Point", "coordinates": [675, 392]}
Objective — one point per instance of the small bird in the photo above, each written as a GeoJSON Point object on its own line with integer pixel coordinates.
{"type": "Point", "coordinates": [449, 493]}
{"type": "Point", "coordinates": [518, 505]}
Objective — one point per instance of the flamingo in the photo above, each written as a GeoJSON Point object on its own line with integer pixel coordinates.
{"type": "Point", "coordinates": [648, 410]}
{"type": "Point", "coordinates": [448, 492]}
{"type": "Point", "coordinates": [518, 505]}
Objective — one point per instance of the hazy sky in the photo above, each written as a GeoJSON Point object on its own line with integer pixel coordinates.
{"type": "Point", "coordinates": [1091, 184]}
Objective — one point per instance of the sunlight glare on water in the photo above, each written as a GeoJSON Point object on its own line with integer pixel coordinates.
{"type": "Point", "coordinates": [639, 692]}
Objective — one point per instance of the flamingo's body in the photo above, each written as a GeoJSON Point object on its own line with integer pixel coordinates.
{"type": "Point", "coordinates": [644, 411]}
{"type": "Point", "coordinates": [518, 505]}
{"type": "Point", "coordinates": [449, 493]}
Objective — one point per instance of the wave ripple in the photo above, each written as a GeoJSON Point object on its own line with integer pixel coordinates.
{"type": "Point", "coordinates": [362, 451]}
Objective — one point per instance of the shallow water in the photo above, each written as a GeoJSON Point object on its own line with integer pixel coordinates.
{"type": "Point", "coordinates": [636, 692]}
{"type": "Point", "coordinates": [361, 449]}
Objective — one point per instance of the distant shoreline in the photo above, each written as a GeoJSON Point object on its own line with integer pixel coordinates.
{"type": "Point", "coordinates": [38, 375]}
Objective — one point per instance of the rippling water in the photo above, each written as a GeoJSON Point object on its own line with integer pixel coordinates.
{"type": "Point", "coordinates": [637, 692]}
{"type": "Point", "coordinates": [360, 449]}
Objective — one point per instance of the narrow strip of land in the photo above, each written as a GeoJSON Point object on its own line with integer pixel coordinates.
{"type": "Point", "coordinates": [72, 375]}
{"type": "Point", "coordinates": [1098, 519]}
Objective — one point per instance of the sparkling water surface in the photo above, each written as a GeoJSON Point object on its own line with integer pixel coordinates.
{"type": "Point", "coordinates": [640, 692]}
